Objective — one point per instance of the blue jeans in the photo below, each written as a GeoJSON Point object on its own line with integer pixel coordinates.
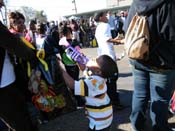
{"type": "Point", "coordinates": [155, 86]}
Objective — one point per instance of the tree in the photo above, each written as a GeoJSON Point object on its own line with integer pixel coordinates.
{"type": "Point", "coordinates": [28, 12]}
{"type": "Point", "coordinates": [41, 16]}
{"type": "Point", "coordinates": [31, 13]}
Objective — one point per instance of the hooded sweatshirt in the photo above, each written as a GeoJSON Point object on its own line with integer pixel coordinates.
{"type": "Point", "coordinates": [161, 20]}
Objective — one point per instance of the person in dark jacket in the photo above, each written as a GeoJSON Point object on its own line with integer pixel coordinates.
{"type": "Point", "coordinates": [153, 79]}
{"type": "Point", "coordinates": [13, 110]}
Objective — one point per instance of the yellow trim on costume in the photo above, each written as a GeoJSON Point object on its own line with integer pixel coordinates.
{"type": "Point", "coordinates": [101, 118]}
{"type": "Point", "coordinates": [41, 55]}
{"type": "Point", "coordinates": [82, 88]}
{"type": "Point", "coordinates": [99, 110]}
{"type": "Point", "coordinates": [27, 43]}
{"type": "Point", "coordinates": [28, 69]}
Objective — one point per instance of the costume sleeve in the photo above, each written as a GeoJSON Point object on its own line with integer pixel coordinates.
{"type": "Point", "coordinates": [14, 45]}
{"type": "Point", "coordinates": [90, 87]}
{"type": "Point", "coordinates": [81, 88]}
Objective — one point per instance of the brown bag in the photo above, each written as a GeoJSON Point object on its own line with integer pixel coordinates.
{"type": "Point", "coordinates": [137, 38]}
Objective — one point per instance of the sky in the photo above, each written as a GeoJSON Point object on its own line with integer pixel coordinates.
{"type": "Point", "coordinates": [57, 8]}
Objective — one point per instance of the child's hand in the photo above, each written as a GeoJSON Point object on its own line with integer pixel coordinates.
{"type": "Point", "coordinates": [82, 67]}
{"type": "Point", "coordinates": [78, 48]}
{"type": "Point", "coordinates": [64, 42]}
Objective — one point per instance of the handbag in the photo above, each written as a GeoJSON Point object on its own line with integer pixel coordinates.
{"type": "Point", "coordinates": [46, 99]}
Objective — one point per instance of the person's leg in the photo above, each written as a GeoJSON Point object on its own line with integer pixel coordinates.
{"type": "Point", "coordinates": [14, 109]}
{"type": "Point", "coordinates": [112, 91]}
{"type": "Point", "coordinates": [113, 33]}
{"type": "Point", "coordinates": [140, 99]}
{"type": "Point", "coordinates": [161, 89]}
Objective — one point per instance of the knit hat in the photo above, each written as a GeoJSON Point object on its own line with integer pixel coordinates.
{"type": "Point", "coordinates": [108, 66]}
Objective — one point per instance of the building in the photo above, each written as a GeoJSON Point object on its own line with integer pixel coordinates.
{"type": "Point", "coordinates": [117, 3]}
{"type": "Point", "coordinates": [115, 6]}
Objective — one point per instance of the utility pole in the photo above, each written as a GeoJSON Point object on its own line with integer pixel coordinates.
{"type": "Point", "coordinates": [118, 2]}
{"type": "Point", "coordinates": [75, 6]}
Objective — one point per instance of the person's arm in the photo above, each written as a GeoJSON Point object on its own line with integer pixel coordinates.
{"type": "Point", "coordinates": [82, 67]}
{"type": "Point", "coordinates": [107, 35]}
{"type": "Point", "coordinates": [68, 79]}
{"type": "Point", "coordinates": [116, 41]}
{"type": "Point", "coordinates": [14, 44]}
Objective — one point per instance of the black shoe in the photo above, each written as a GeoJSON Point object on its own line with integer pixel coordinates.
{"type": "Point", "coordinates": [80, 105]}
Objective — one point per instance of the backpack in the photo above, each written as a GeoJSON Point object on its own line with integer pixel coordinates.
{"type": "Point", "coordinates": [137, 38]}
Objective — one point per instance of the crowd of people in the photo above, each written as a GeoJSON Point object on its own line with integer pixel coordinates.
{"type": "Point", "coordinates": [40, 50]}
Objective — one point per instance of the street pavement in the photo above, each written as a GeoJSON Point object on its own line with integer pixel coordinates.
{"type": "Point", "coordinates": [76, 121]}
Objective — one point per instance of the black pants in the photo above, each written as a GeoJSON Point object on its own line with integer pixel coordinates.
{"type": "Point", "coordinates": [13, 109]}
{"type": "Point", "coordinates": [105, 129]}
{"type": "Point", "coordinates": [112, 89]}
{"type": "Point", "coordinates": [113, 33]}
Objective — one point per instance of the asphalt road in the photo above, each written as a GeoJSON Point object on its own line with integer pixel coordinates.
{"type": "Point", "coordinates": [76, 121]}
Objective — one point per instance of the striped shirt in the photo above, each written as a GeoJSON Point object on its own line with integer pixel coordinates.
{"type": "Point", "coordinates": [98, 106]}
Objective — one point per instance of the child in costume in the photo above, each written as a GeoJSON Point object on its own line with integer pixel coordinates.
{"type": "Point", "coordinates": [93, 87]}
{"type": "Point", "coordinates": [70, 65]}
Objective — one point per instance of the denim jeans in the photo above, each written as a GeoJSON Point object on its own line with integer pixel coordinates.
{"type": "Point", "coordinates": [155, 86]}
